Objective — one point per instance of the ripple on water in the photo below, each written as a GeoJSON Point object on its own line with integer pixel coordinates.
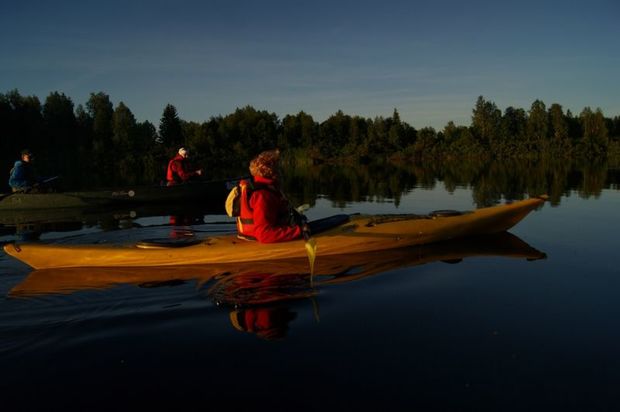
{"type": "Point", "coordinates": [48, 323]}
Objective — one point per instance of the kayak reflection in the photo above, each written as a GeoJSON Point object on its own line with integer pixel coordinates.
{"type": "Point", "coordinates": [256, 294]}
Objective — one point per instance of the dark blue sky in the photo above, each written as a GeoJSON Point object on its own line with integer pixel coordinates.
{"type": "Point", "coordinates": [430, 59]}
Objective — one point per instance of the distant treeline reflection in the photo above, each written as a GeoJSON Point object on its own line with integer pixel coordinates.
{"type": "Point", "coordinates": [489, 181]}
{"type": "Point", "coordinates": [499, 154]}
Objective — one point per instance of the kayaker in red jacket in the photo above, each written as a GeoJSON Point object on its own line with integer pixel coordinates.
{"type": "Point", "coordinates": [179, 170]}
{"type": "Point", "coordinates": [266, 214]}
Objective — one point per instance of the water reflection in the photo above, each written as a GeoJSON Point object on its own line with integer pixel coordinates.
{"type": "Point", "coordinates": [489, 182]}
{"type": "Point", "coordinates": [28, 225]}
{"type": "Point", "coordinates": [258, 296]}
{"type": "Point", "coordinates": [511, 179]}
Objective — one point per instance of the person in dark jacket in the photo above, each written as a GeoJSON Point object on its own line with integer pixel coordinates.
{"type": "Point", "coordinates": [179, 170]}
{"type": "Point", "coordinates": [22, 177]}
{"type": "Point", "coordinates": [265, 213]}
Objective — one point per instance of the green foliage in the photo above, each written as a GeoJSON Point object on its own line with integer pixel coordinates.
{"type": "Point", "coordinates": [426, 142]}
{"type": "Point", "coordinates": [99, 144]}
{"type": "Point", "coordinates": [21, 122]}
{"type": "Point", "coordinates": [595, 135]}
{"type": "Point", "coordinates": [170, 130]}
{"type": "Point", "coordinates": [60, 131]}
{"type": "Point", "coordinates": [126, 143]}
{"type": "Point", "coordinates": [298, 131]}
{"type": "Point", "coordinates": [537, 127]}
{"type": "Point", "coordinates": [334, 134]}
{"type": "Point", "coordinates": [513, 133]}
{"type": "Point", "coordinates": [486, 122]}
{"type": "Point", "coordinates": [100, 111]}
{"type": "Point", "coordinates": [559, 130]}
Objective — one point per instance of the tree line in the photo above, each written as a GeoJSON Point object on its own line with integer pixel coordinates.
{"type": "Point", "coordinates": [100, 143]}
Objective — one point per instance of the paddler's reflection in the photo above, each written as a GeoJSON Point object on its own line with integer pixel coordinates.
{"type": "Point", "coordinates": [259, 300]}
{"type": "Point", "coordinates": [28, 232]}
{"type": "Point", "coordinates": [259, 288]}
{"type": "Point", "coordinates": [269, 323]}
{"type": "Point", "coordinates": [182, 225]}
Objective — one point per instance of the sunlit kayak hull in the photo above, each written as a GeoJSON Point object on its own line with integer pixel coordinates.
{"type": "Point", "coordinates": [276, 279]}
{"type": "Point", "coordinates": [361, 234]}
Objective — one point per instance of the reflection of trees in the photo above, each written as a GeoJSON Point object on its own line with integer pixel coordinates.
{"type": "Point", "coordinates": [509, 179]}
{"type": "Point", "coordinates": [613, 178]}
{"type": "Point", "coordinates": [342, 184]}
{"type": "Point", "coordinates": [593, 179]}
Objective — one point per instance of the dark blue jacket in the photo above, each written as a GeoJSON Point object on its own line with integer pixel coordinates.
{"type": "Point", "coordinates": [22, 176]}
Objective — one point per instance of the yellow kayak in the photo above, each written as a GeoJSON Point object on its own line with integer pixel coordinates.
{"type": "Point", "coordinates": [360, 234]}
{"type": "Point", "coordinates": [274, 280]}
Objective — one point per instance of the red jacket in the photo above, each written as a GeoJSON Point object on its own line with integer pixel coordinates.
{"type": "Point", "coordinates": [178, 170]}
{"type": "Point", "coordinates": [265, 215]}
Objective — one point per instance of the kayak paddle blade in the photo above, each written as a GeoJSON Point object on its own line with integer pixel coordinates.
{"type": "Point", "coordinates": [311, 250]}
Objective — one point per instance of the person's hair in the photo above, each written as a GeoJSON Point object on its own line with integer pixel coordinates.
{"type": "Point", "coordinates": [266, 164]}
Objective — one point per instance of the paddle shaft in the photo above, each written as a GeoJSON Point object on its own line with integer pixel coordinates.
{"type": "Point", "coordinates": [5, 195]}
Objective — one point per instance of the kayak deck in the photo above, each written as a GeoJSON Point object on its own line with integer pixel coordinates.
{"type": "Point", "coordinates": [361, 234]}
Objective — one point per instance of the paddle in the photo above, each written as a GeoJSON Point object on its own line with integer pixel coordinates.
{"type": "Point", "coordinates": [315, 309]}
{"type": "Point", "coordinates": [5, 195]}
{"type": "Point", "coordinates": [309, 242]}
{"type": "Point", "coordinates": [310, 245]}
{"type": "Point", "coordinates": [49, 179]}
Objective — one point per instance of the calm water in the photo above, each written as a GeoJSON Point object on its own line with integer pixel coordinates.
{"type": "Point", "coordinates": [467, 326]}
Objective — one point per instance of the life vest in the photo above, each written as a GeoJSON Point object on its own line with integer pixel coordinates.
{"type": "Point", "coordinates": [245, 220]}
{"type": "Point", "coordinates": [170, 175]}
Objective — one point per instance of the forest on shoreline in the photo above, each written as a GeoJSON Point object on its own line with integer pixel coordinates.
{"type": "Point", "coordinates": [100, 143]}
